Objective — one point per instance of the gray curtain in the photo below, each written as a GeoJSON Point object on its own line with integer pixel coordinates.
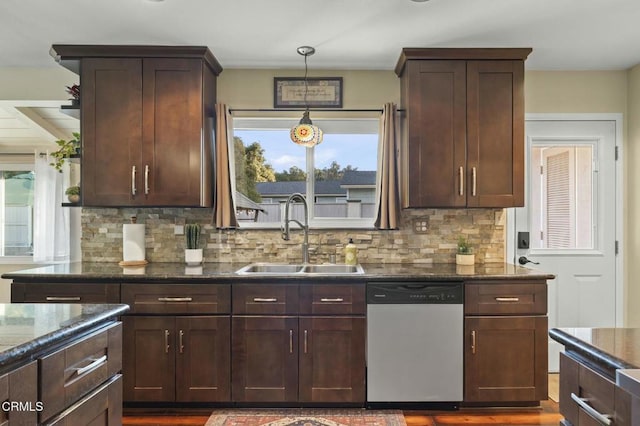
{"type": "Point", "coordinates": [389, 193]}
{"type": "Point", "coordinates": [224, 209]}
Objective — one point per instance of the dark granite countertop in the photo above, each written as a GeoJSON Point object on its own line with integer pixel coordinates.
{"type": "Point", "coordinates": [224, 272]}
{"type": "Point", "coordinates": [27, 329]}
{"type": "Point", "coordinates": [610, 348]}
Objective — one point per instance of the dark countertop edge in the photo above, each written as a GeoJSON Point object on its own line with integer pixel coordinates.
{"type": "Point", "coordinates": [588, 351]}
{"type": "Point", "coordinates": [27, 351]}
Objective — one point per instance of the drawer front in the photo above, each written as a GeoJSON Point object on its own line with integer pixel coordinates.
{"type": "Point", "coordinates": [177, 298]}
{"type": "Point", "coordinates": [580, 382]}
{"type": "Point", "coordinates": [75, 370]}
{"type": "Point", "coordinates": [65, 293]}
{"type": "Point", "coordinates": [505, 298]}
{"type": "Point", "coordinates": [103, 406]}
{"type": "Point", "coordinates": [259, 299]}
{"type": "Point", "coordinates": [332, 299]}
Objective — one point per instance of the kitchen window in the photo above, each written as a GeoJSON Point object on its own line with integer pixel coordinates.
{"type": "Point", "coordinates": [337, 177]}
{"type": "Point", "coordinates": [16, 210]}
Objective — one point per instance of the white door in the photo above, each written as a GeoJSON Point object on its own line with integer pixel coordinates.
{"type": "Point", "coordinates": [570, 217]}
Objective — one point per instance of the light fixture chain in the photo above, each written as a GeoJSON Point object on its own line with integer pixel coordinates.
{"type": "Point", "coordinates": [305, 83]}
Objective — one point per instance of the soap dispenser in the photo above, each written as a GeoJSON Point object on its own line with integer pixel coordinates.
{"type": "Point", "coordinates": [350, 253]}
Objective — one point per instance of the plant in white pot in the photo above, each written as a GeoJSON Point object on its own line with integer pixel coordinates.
{"type": "Point", "coordinates": [192, 254]}
{"type": "Point", "coordinates": [465, 255]}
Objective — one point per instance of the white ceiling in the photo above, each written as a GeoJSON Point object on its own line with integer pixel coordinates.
{"type": "Point", "coordinates": [347, 34]}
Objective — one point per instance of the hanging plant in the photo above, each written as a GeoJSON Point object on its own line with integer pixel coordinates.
{"type": "Point", "coordinates": [66, 149]}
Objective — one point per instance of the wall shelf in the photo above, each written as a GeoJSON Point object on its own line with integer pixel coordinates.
{"type": "Point", "coordinates": [71, 110]}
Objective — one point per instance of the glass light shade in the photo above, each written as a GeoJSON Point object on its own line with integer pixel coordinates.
{"type": "Point", "coordinates": [305, 133]}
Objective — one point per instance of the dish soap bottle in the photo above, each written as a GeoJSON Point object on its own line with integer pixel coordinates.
{"type": "Point", "coordinates": [350, 253]}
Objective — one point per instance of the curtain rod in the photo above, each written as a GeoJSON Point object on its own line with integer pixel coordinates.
{"type": "Point", "coordinates": [232, 110]}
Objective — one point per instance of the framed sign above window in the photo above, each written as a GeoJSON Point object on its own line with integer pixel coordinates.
{"type": "Point", "coordinates": [322, 92]}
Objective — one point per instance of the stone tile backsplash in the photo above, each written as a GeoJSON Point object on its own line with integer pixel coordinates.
{"type": "Point", "coordinates": [102, 238]}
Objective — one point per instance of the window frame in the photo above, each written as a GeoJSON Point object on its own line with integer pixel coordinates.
{"type": "Point", "coordinates": [7, 165]}
{"type": "Point", "coordinates": [285, 123]}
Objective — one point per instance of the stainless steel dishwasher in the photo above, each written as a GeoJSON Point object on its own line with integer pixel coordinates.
{"type": "Point", "coordinates": [415, 344]}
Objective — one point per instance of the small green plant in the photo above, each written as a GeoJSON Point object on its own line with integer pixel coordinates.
{"type": "Point", "coordinates": [65, 150]}
{"type": "Point", "coordinates": [463, 246]}
{"type": "Point", "coordinates": [72, 190]}
{"type": "Point", "coordinates": [192, 235]}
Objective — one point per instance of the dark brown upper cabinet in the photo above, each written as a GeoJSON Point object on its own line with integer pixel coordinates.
{"type": "Point", "coordinates": [147, 117]}
{"type": "Point", "coordinates": [463, 127]}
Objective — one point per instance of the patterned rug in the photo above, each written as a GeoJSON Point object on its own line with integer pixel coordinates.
{"type": "Point", "coordinates": [306, 417]}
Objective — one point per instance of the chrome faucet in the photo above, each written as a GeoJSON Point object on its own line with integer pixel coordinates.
{"type": "Point", "coordinates": [305, 227]}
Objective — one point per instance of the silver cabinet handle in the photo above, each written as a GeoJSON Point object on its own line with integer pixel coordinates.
{"type": "Point", "coordinates": [603, 419]}
{"type": "Point", "coordinates": [94, 364]}
{"type": "Point", "coordinates": [290, 341]}
{"type": "Point", "coordinates": [473, 187]}
{"type": "Point", "coordinates": [133, 180]}
{"type": "Point", "coordinates": [146, 179]}
{"type": "Point", "coordinates": [63, 299]}
{"type": "Point", "coordinates": [264, 299]}
{"type": "Point", "coordinates": [473, 342]}
{"type": "Point", "coordinates": [461, 175]}
{"type": "Point", "coordinates": [166, 341]}
{"type": "Point", "coordinates": [305, 341]}
{"type": "Point", "coordinates": [337, 299]}
{"type": "Point", "coordinates": [507, 299]}
{"type": "Point", "coordinates": [181, 334]}
{"type": "Point", "coordinates": [175, 299]}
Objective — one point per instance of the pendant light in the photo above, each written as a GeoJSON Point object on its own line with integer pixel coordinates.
{"type": "Point", "coordinates": [305, 133]}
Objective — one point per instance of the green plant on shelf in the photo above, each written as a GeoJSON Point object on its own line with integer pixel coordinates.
{"type": "Point", "coordinates": [72, 190]}
{"type": "Point", "coordinates": [463, 246]}
{"type": "Point", "coordinates": [66, 149]}
{"type": "Point", "coordinates": [192, 235]}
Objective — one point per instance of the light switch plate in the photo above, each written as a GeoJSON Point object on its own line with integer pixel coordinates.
{"type": "Point", "coordinates": [420, 225]}
{"type": "Point", "coordinates": [178, 229]}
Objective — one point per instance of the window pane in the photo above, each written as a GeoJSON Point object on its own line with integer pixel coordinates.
{"type": "Point", "coordinates": [269, 168]}
{"type": "Point", "coordinates": [562, 197]}
{"type": "Point", "coordinates": [17, 213]}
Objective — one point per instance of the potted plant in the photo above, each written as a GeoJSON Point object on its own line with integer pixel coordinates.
{"type": "Point", "coordinates": [74, 91]}
{"type": "Point", "coordinates": [192, 254]}
{"type": "Point", "coordinates": [465, 255]}
{"type": "Point", "coordinates": [66, 149]}
{"type": "Point", "coordinates": [73, 194]}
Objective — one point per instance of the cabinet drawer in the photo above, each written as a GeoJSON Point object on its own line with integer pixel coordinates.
{"type": "Point", "coordinates": [72, 371]}
{"type": "Point", "coordinates": [176, 298]}
{"type": "Point", "coordinates": [261, 299]}
{"type": "Point", "coordinates": [505, 298]}
{"type": "Point", "coordinates": [85, 292]}
{"type": "Point", "coordinates": [329, 299]}
{"type": "Point", "coordinates": [103, 406]}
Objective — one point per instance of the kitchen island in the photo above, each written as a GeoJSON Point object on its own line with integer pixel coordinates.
{"type": "Point", "coordinates": [60, 363]}
{"type": "Point", "coordinates": [209, 335]}
{"type": "Point", "coordinates": [599, 375]}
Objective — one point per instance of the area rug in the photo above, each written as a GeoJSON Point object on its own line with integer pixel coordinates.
{"type": "Point", "coordinates": [306, 417]}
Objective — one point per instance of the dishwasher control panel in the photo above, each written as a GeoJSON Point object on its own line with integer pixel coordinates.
{"type": "Point", "coordinates": [415, 292]}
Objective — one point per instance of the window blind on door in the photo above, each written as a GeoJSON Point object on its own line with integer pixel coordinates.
{"type": "Point", "coordinates": [559, 217]}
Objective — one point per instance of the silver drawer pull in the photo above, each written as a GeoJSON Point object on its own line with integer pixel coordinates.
{"type": "Point", "coordinates": [264, 299]}
{"type": "Point", "coordinates": [337, 299]}
{"type": "Point", "coordinates": [507, 299]}
{"type": "Point", "coordinates": [94, 364]}
{"type": "Point", "coordinates": [175, 299]}
{"type": "Point", "coordinates": [63, 299]}
{"type": "Point", "coordinates": [603, 419]}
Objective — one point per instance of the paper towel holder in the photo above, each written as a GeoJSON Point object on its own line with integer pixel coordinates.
{"type": "Point", "coordinates": [138, 262]}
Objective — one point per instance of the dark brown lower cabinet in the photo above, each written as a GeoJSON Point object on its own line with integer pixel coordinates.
{"type": "Point", "coordinates": [505, 358]}
{"type": "Point", "coordinates": [291, 359]}
{"type": "Point", "coordinates": [20, 385]}
{"type": "Point", "coordinates": [176, 358]}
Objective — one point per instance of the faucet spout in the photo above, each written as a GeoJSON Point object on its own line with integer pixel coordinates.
{"type": "Point", "coordinates": [304, 227]}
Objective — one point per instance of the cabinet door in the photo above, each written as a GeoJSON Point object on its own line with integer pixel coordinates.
{"type": "Point", "coordinates": [203, 362]}
{"type": "Point", "coordinates": [149, 358]}
{"type": "Point", "coordinates": [111, 131]}
{"type": "Point", "coordinates": [505, 358]}
{"type": "Point", "coordinates": [172, 131]}
{"type": "Point", "coordinates": [20, 385]}
{"type": "Point", "coordinates": [495, 133]}
{"type": "Point", "coordinates": [264, 359]}
{"type": "Point", "coordinates": [332, 359]}
{"type": "Point", "coordinates": [434, 95]}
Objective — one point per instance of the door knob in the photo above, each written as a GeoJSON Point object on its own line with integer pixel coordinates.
{"type": "Point", "coordinates": [523, 261]}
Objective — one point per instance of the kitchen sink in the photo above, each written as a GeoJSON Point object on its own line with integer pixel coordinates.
{"type": "Point", "coordinates": [299, 269]}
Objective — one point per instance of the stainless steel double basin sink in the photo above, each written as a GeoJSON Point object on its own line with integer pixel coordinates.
{"type": "Point", "coordinates": [300, 269]}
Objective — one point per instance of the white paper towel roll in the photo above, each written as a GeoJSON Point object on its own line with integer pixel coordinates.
{"type": "Point", "coordinates": [133, 242]}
